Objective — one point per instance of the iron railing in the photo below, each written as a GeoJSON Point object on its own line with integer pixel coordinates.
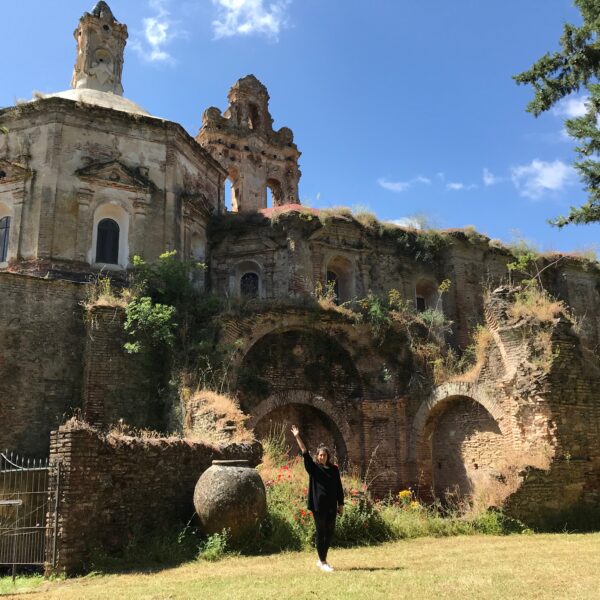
{"type": "Point", "coordinates": [28, 511]}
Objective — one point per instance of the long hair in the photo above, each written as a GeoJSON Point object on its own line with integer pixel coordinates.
{"type": "Point", "coordinates": [324, 448]}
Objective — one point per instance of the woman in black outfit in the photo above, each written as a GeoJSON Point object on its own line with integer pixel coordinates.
{"type": "Point", "coordinates": [325, 496]}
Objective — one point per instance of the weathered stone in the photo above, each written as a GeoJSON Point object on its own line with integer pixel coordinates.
{"type": "Point", "coordinates": [230, 496]}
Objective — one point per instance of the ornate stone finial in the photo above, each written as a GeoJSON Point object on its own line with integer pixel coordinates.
{"type": "Point", "coordinates": [102, 10]}
{"type": "Point", "coordinates": [101, 43]}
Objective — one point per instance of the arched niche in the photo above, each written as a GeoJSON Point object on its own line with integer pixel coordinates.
{"type": "Point", "coordinates": [461, 449]}
{"type": "Point", "coordinates": [198, 246]}
{"type": "Point", "coordinates": [248, 280]}
{"type": "Point", "coordinates": [426, 295]}
{"type": "Point", "coordinates": [104, 213]}
{"type": "Point", "coordinates": [340, 278]}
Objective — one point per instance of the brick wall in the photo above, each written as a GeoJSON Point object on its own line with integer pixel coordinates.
{"type": "Point", "coordinates": [117, 385]}
{"type": "Point", "coordinates": [42, 337]}
{"type": "Point", "coordinates": [114, 488]}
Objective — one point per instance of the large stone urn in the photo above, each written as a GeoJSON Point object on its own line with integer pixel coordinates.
{"type": "Point", "coordinates": [230, 495]}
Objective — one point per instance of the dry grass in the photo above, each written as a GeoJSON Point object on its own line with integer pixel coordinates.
{"type": "Point", "coordinates": [482, 338]}
{"type": "Point", "coordinates": [536, 304]}
{"type": "Point", "coordinates": [540, 567]}
{"type": "Point", "coordinates": [214, 417]}
{"type": "Point", "coordinates": [101, 292]}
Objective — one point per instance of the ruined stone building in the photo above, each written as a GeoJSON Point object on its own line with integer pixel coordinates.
{"type": "Point", "coordinates": [88, 179]}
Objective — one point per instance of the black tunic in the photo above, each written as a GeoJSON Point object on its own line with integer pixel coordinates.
{"type": "Point", "coordinates": [325, 491]}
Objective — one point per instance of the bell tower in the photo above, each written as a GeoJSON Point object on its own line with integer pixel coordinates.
{"type": "Point", "coordinates": [101, 43]}
{"type": "Point", "coordinates": [256, 157]}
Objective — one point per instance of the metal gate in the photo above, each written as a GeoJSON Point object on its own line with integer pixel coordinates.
{"type": "Point", "coordinates": [29, 492]}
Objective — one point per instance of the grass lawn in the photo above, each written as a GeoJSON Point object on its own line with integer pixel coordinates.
{"type": "Point", "coordinates": [473, 567]}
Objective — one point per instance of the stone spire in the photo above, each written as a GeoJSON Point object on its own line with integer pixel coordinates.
{"type": "Point", "coordinates": [101, 43]}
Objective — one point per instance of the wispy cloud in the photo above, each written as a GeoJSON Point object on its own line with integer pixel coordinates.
{"type": "Point", "coordinates": [408, 222]}
{"type": "Point", "coordinates": [158, 32]}
{"type": "Point", "coordinates": [489, 178]}
{"type": "Point", "coordinates": [571, 108]}
{"type": "Point", "coordinates": [248, 17]}
{"type": "Point", "coordinates": [402, 186]}
{"type": "Point", "coordinates": [457, 186]}
{"type": "Point", "coordinates": [539, 177]}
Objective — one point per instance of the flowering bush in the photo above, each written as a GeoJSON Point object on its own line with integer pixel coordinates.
{"type": "Point", "coordinates": [366, 519]}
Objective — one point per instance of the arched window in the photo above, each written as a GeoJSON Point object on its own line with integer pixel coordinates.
{"type": "Point", "coordinates": [253, 116]}
{"type": "Point", "coordinates": [4, 235]}
{"type": "Point", "coordinates": [107, 242]}
{"type": "Point", "coordinates": [340, 276]}
{"type": "Point", "coordinates": [426, 295]}
{"type": "Point", "coordinates": [249, 285]}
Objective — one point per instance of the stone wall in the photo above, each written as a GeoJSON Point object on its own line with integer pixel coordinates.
{"type": "Point", "coordinates": [115, 488]}
{"type": "Point", "coordinates": [42, 337]}
{"type": "Point", "coordinates": [117, 385]}
{"type": "Point", "coordinates": [292, 251]}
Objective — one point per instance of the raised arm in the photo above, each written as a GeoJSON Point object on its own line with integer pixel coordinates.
{"type": "Point", "coordinates": [296, 433]}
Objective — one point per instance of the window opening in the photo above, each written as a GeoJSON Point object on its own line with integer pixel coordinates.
{"type": "Point", "coordinates": [249, 285]}
{"type": "Point", "coordinates": [4, 235]}
{"type": "Point", "coordinates": [228, 194]}
{"type": "Point", "coordinates": [253, 118]}
{"type": "Point", "coordinates": [107, 244]}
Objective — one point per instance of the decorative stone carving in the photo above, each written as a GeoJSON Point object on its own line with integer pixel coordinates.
{"type": "Point", "coordinates": [115, 173]}
{"type": "Point", "coordinates": [11, 172]}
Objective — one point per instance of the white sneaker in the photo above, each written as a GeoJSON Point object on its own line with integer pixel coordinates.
{"type": "Point", "coordinates": [319, 563]}
{"type": "Point", "coordinates": [327, 568]}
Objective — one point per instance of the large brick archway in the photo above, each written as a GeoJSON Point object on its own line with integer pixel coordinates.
{"type": "Point", "coordinates": [245, 334]}
{"type": "Point", "coordinates": [459, 441]}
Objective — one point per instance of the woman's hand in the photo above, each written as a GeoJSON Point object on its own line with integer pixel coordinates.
{"type": "Point", "coordinates": [296, 433]}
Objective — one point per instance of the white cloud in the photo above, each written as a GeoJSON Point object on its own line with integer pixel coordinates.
{"type": "Point", "coordinates": [247, 17]}
{"type": "Point", "coordinates": [158, 31]}
{"type": "Point", "coordinates": [402, 186]}
{"type": "Point", "coordinates": [571, 107]}
{"type": "Point", "coordinates": [539, 177]}
{"type": "Point", "coordinates": [409, 222]}
{"type": "Point", "coordinates": [489, 178]}
{"type": "Point", "coordinates": [458, 186]}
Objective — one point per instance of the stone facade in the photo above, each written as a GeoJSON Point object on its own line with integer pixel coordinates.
{"type": "Point", "coordinates": [88, 179]}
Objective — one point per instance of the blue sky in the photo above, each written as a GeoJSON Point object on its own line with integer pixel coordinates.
{"type": "Point", "coordinates": [402, 106]}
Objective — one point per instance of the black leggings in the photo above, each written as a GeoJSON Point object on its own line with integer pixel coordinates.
{"type": "Point", "coordinates": [325, 524]}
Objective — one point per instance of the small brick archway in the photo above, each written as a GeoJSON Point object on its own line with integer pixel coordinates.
{"type": "Point", "coordinates": [459, 439]}
{"type": "Point", "coordinates": [319, 421]}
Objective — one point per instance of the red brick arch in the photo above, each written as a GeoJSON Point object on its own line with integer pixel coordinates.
{"type": "Point", "coordinates": [262, 327]}
{"type": "Point", "coordinates": [305, 398]}
{"type": "Point", "coordinates": [419, 452]}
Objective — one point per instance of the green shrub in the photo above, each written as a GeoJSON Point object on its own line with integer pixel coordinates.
{"type": "Point", "coordinates": [215, 546]}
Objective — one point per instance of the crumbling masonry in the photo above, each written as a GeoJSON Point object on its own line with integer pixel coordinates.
{"type": "Point", "coordinates": [88, 179]}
